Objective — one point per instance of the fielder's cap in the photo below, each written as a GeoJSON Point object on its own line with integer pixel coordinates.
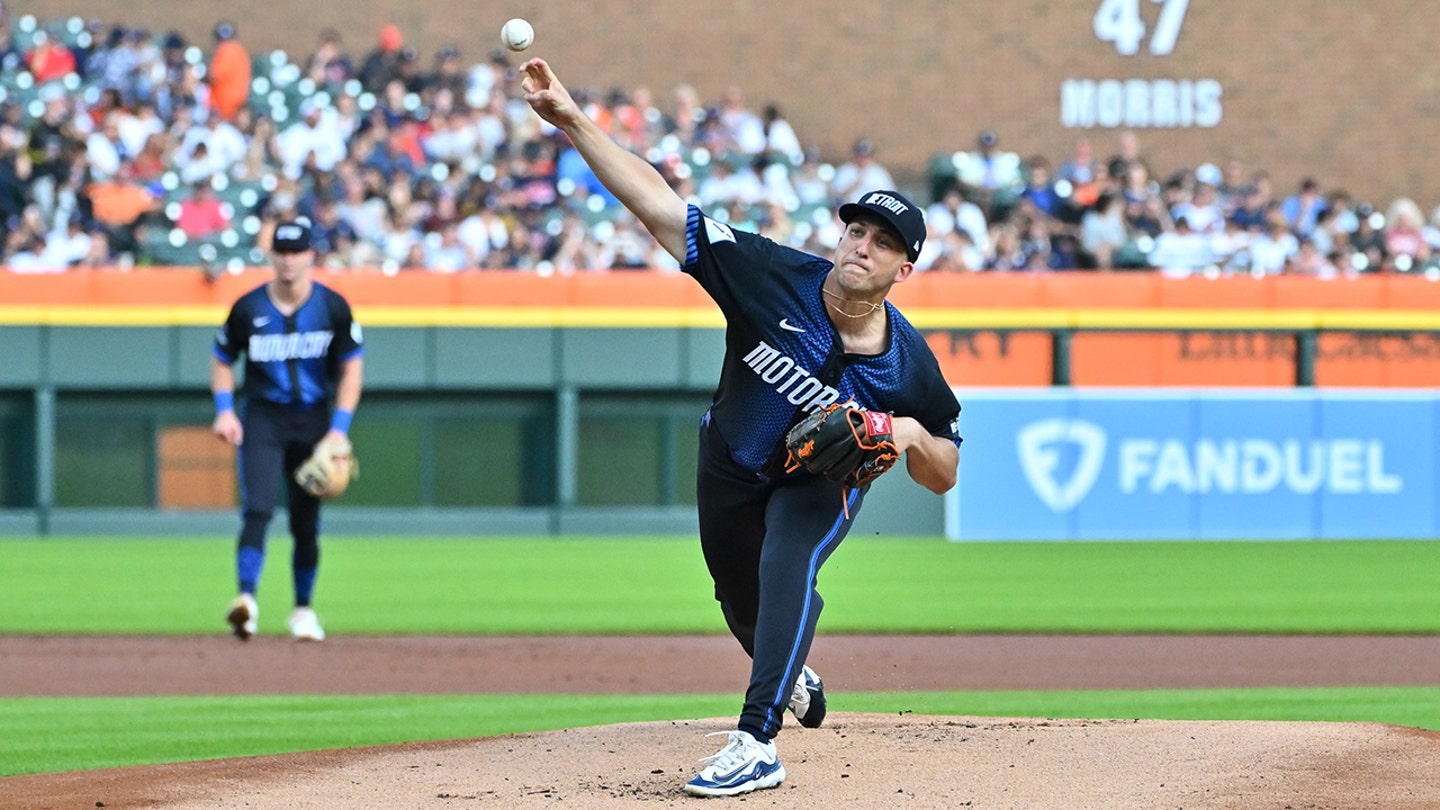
{"type": "Point", "coordinates": [894, 210]}
{"type": "Point", "coordinates": [292, 236]}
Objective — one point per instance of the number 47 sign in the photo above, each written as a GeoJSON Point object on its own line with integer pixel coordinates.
{"type": "Point", "coordinates": [1157, 102]}
{"type": "Point", "coordinates": [1119, 22]}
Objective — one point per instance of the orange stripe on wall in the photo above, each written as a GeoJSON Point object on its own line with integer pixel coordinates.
{"type": "Point", "coordinates": [1380, 360]}
{"type": "Point", "coordinates": [1204, 359]}
{"type": "Point", "coordinates": [180, 286]}
{"type": "Point", "coordinates": [968, 357]}
{"type": "Point", "coordinates": [992, 358]}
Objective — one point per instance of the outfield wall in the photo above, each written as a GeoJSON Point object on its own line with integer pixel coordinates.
{"type": "Point", "coordinates": [987, 329]}
{"type": "Point", "coordinates": [513, 403]}
{"type": "Point", "coordinates": [1197, 464]}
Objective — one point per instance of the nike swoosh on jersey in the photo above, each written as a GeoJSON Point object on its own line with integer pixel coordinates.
{"type": "Point", "coordinates": [790, 327]}
{"type": "Point", "coordinates": [262, 320]}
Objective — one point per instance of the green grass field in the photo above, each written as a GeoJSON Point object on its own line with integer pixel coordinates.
{"type": "Point", "coordinates": [412, 586]}
{"type": "Point", "coordinates": [423, 586]}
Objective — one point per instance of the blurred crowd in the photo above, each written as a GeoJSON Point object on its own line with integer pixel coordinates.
{"type": "Point", "coordinates": [123, 146]}
{"type": "Point", "coordinates": [1117, 212]}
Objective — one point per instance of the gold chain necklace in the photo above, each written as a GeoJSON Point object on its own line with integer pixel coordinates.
{"type": "Point", "coordinates": [872, 310]}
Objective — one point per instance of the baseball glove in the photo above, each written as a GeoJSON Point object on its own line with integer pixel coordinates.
{"type": "Point", "coordinates": [844, 443]}
{"type": "Point", "coordinates": [329, 469]}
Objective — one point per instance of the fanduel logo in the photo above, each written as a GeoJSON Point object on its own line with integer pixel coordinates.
{"type": "Point", "coordinates": [789, 379]}
{"type": "Point", "coordinates": [1248, 466]}
{"type": "Point", "coordinates": [1041, 446]}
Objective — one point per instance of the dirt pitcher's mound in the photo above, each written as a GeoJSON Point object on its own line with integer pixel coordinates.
{"type": "Point", "coordinates": [856, 760]}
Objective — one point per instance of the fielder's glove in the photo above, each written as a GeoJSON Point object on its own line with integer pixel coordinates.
{"type": "Point", "coordinates": [845, 443]}
{"type": "Point", "coordinates": [329, 469]}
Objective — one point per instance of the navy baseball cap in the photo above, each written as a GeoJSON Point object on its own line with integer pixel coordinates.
{"type": "Point", "coordinates": [893, 209]}
{"type": "Point", "coordinates": [291, 236]}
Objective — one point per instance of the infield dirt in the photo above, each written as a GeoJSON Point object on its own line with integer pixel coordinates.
{"type": "Point", "coordinates": [856, 760]}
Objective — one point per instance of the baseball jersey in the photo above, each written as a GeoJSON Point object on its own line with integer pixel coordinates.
{"type": "Point", "coordinates": [290, 359]}
{"type": "Point", "coordinates": [784, 358]}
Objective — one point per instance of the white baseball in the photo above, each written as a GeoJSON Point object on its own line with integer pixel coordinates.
{"type": "Point", "coordinates": [517, 34]}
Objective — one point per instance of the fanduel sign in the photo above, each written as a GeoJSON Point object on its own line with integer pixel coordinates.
{"type": "Point", "coordinates": [1049, 465]}
{"type": "Point", "coordinates": [1256, 466]}
{"type": "Point", "coordinates": [1041, 446]}
{"type": "Point", "coordinates": [1249, 466]}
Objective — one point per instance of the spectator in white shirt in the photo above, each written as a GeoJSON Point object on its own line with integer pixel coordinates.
{"type": "Point", "coordinates": [862, 173]}
{"type": "Point", "coordinates": [990, 169]}
{"type": "Point", "coordinates": [364, 212]}
{"type": "Point", "coordinates": [485, 78]}
{"type": "Point", "coordinates": [954, 212]}
{"type": "Point", "coordinates": [28, 255]}
{"type": "Point", "coordinates": [137, 127]}
{"type": "Point", "coordinates": [728, 184]}
{"type": "Point", "coordinates": [1273, 248]}
{"type": "Point", "coordinates": [224, 147]}
{"type": "Point", "coordinates": [451, 140]}
{"type": "Point", "coordinates": [103, 151]}
{"type": "Point", "coordinates": [67, 246]}
{"type": "Point", "coordinates": [1202, 210]}
{"type": "Point", "coordinates": [445, 252]}
{"type": "Point", "coordinates": [1231, 246]}
{"type": "Point", "coordinates": [1182, 251]}
{"type": "Point", "coordinates": [310, 143]}
{"type": "Point", "coordinates": [1102, 230]}
{"type": "Point", "coordinates": [780, 138]}
{"type": "Point", "coordinates": [742, 128]}
{"type": "Point", "coordinates": [482, 232]}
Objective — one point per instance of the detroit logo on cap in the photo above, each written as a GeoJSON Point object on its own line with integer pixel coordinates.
{"type": "Point", "coordinates": [888, 202]}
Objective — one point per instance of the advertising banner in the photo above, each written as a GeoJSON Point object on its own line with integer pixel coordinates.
{"type": "Point", "coordinates": [1130, 464]}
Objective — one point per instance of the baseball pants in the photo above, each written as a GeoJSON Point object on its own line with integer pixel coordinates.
{"type": "Point", "coordinates": [278, 439]}
{"type": "Point", "coordinates": [764, 543]}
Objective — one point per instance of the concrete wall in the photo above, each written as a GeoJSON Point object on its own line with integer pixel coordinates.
{"type": "Point", "coordinates": [123, 358]}
{"type": "Point", "coordinates": [161, 374]}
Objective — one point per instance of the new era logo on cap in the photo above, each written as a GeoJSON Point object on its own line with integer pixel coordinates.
{"type": "Point", "coordinates": [292, 236]}
{"type": "Point", "coordinates": [898, 212]}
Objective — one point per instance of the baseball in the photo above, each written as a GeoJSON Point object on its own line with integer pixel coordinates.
{"type": "Point", "coordinates": [517, 34]}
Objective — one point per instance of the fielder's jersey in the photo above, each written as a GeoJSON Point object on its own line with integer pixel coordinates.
{"type": "Point", "coordinates": [783, 356]}
{"type": "Point", "coordinates": [290, 359]}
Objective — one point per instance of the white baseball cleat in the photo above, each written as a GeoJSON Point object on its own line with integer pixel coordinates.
{"type": "Point", "coordinates": [305, 625]}
{"type": "Point", "coordinates": [743, 765]}
{"type": "Point", "coordinates": [243, 616]}
{"type": "Point", "coordinates": [807, 700]}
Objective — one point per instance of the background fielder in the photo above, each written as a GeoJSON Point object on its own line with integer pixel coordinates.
{"type": "Point", "coordinates": [303, 350]}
